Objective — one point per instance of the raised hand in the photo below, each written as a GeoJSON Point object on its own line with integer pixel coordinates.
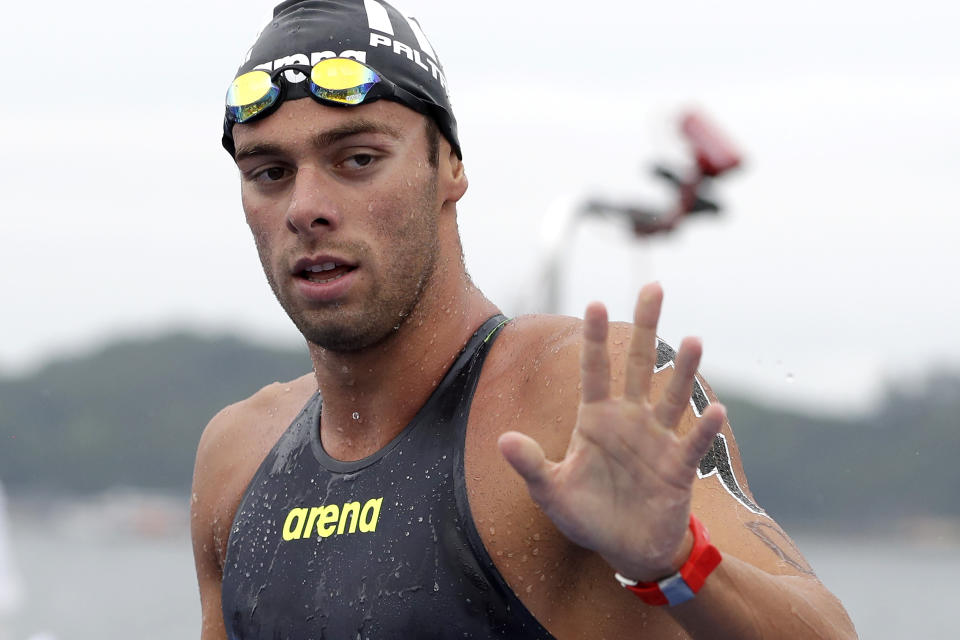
{"type": "Point", "coordinates": [624, 485]}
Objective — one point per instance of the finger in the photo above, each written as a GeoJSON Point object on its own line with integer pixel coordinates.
{"type": "Point", "coordinates": [594, 358]}
{"type": "Point", "coordinates": [526, 457]}
{"type": "Point", "coordinates": [705, 429]}
{"type": "Point", "coordinates": [643, 343]}
{"type": "Point", "coordinates": [676, 397]}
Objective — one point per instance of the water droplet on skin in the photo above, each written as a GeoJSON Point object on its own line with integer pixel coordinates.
{"type": "Point", "coordinates": [356, 416]}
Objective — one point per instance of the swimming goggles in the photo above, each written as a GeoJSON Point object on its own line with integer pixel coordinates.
{"type": "Point", "coordinates": [338, 81]}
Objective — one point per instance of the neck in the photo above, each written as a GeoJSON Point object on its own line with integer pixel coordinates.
{"type": "Point", "coordinates": [369, 396]}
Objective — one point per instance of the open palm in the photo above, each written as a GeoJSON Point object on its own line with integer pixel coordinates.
{"type": "Point", "coordinates": [624, 485]}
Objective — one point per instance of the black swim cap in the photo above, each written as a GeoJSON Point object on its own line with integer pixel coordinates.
{"type": "Point", "coordinates": [303, 32]}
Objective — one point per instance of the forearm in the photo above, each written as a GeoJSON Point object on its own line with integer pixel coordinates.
{"type": "Point", "coordinates": [739, 601]}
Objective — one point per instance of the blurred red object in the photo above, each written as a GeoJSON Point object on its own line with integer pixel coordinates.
{"type": "Point", "coordinates": [714, 153]}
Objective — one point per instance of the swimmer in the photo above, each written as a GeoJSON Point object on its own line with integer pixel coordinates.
{"type": "Point", "coordinates": [444, 471]}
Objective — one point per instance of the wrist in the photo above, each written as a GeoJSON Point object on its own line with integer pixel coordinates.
{"type": "Point", "coordinates": [701, 558]}
{"type": "Point", "coordinates": [682, 555]}
{"type": "Point", "coordinates": [669, 565]}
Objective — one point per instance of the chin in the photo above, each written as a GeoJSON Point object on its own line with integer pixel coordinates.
{"type": "Point", "coordinates": [346, 335]}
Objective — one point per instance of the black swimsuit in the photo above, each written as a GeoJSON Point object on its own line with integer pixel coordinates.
{"type": "Point", "coordinates": [383, 547]}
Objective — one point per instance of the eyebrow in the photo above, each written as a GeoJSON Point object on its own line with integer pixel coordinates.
{"type": "Point", "coordinates": [322, 139]}
{"type": "Point", "coordinates": [352, 128]}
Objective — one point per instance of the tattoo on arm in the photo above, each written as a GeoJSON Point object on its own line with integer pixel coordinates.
{"type": "Point", "coordinates": [770, 534]}
{"type": "Point", "coordinates": [717, 460]}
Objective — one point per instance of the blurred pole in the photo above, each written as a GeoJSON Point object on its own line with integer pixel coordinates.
{"type": "Point", "coordinates": [713, 156]}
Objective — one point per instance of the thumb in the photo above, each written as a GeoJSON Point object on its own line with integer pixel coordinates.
{"type": "Point", "coordinates": [525, 455]}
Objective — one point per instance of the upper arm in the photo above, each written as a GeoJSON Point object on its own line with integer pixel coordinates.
{"type": "Point", "coordinates": [723, 501]}
{"type": "Point", "coordinates": [231, 449]}
{"type": "Point", "coordinates": [741, 529]}
{"type": "Point", "coordinates": [205, 498]}
{"type": "Point", "coordinates": [737, 524]}
{"type": "Point", "coordinates": [722, 498]}
{"type": "Point", "coordinates": [721, 495]}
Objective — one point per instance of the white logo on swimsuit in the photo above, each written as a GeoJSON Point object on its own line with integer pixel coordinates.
{"type": "Point", "coordinates": [302, 522]}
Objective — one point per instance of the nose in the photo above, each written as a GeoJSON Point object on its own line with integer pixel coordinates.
{"type": "Point", "coordinates": [311, 208]}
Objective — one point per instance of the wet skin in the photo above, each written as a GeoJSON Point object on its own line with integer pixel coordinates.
{"type": "Point", "coordinates": [353, 186]}
{"type": "Point", "coordinates": [342, 195]}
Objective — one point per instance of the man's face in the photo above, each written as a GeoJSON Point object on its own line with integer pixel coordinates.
{"type": "Point", "coordinates": [343, 205]}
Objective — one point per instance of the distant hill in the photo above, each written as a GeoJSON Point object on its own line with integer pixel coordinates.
{"type": "Point", "coordinates": [899, 461]}
{"type": "Point", "coordinates": [131, 415]}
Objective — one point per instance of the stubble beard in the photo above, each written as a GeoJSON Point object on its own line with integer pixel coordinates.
{"type": "Point", "coordinates": [384, 313]}
{"type": "Point", "coordinates": [391, 300]}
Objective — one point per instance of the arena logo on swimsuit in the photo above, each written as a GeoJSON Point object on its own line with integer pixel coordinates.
{"type": "Point", "coordinates": [327, 520]}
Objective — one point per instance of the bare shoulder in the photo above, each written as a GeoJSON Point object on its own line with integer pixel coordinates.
{"type": "Point", "coordinates": [231, 449]}
{"type": "Point", "coordinates": [531, 381]}
{"type": "Point", "coordinates": [232, 446]}
{"type": "Point", "coordinates": [245, 427]}
{"type": "Point", "coordinates": [531, 384]}
{"type": "Point", "coordinates": [537, 360]}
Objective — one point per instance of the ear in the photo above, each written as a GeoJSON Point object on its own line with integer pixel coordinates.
{"type": "Point", "coordinates": [453, 174]}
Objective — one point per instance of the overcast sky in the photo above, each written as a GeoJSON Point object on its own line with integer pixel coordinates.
{"type": "Point", "coordinates": [831, 271]}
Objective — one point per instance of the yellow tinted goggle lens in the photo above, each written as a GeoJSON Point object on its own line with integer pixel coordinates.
{"type": "Point", "coordinates": [250, 94]}
{"type": "Point", "coordinates": [342, 80]}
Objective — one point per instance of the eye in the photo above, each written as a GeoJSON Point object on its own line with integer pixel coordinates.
{"type": "Point", "coordinates": [358, 161]}
{"type": "Point", "coordinates": [268, 175]}
{"type": "Point", "coordinates": [273, 174]}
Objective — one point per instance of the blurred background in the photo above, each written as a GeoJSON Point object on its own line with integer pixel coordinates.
{"type": "Point", "coordinates": [134, 306]}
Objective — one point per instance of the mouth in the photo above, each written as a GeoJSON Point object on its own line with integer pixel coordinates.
{"type": "Point", "coordinates": [324, 272]}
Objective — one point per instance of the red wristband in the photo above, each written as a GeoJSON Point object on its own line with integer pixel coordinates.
{"type": "Point", "coordinates": [686, 582]}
